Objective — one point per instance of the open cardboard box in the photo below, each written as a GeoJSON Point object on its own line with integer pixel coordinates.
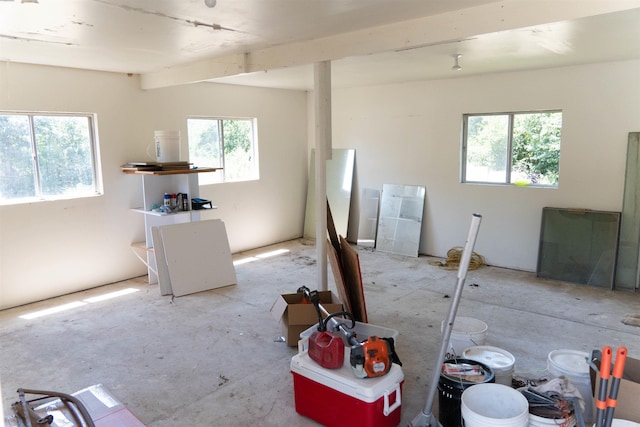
{"type": "Point", "coordinates": [628, 407]}
{"type": "Point", "coordinates": [296, 316]}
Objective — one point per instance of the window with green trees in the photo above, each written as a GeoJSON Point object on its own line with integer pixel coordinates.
{"type": "Point", "coordinates": [47, 156]}
{"type": "Point", "coordinates": [512, 148]}
{"type": "Point", "coordinates": [229, 144]}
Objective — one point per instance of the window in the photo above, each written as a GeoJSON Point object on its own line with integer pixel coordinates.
{"type": "Point", "coordinates": [512, 148]}
{"type": "Point", "coordinates": [47, 156]}
{"type": "Point", "coordinates": [224, 143]}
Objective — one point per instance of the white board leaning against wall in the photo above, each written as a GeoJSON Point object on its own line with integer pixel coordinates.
{"type": "Point", "coordinates": [194, 256]}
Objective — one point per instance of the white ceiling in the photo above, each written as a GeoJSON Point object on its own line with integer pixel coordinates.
{"type": "Point", "coordinates": [272, 43]}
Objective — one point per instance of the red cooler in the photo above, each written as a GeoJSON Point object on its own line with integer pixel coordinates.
{"type": "Point", "coordinates": [335, 397]}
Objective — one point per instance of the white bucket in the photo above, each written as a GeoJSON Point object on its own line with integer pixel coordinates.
{"type": "Point", "coordinates": [167, 145]}
{"type": "Point", "coordinates": [536, 421]}
{"type": "Point", "coordinates": [573, 365]}
{"type": "Point", "coordinates": [466, 332]}
{"type": "Point", "coordinates": [623, 423]}
{"type": "Point", "coordinates": [501, 361]}
{"type": "Point", "coordinates": [494, 405]}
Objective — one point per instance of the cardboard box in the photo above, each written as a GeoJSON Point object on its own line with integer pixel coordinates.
{"type": "Point", "coordinates": [336, 397]}
{"type": "Point", "coordinates": [296, 316]}
{"type": "Point", "coordinates": [628, 407]}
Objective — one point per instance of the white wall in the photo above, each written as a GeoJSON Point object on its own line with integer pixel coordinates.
{"type": "Point", "coordinates": [410, 134]}
{"type": "Point", "coordinates": [406, 134]}
{"type": "Point", "coordinates": [53, 248]}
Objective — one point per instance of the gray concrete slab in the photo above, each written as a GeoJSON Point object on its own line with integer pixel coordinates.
{"type": "Point", "coordinates": [214, 358]}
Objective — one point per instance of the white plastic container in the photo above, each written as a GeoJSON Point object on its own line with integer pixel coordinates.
{"type": "Point", "coordinates": [336, 397]}
{"type": "Point", "coordinates": [501, 361]}
{"type": "Point", "coordinates": [536, 421]}
{"type": "Point", "coordinates": [573, 365]}
{"type": "Point", "coordinates": [466, 332]}
{"type": "Point", "coordinates": [623, 423]}
{"type": "Point", "coordinates": [494, 405]}
{"type": "Point", "coordinates": [167, 145]}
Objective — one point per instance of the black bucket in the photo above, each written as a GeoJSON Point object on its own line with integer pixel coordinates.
{"type": "Point", "coordinates": [450, 388]}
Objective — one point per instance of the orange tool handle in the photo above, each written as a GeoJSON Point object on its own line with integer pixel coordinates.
{"type": "Point", "coordinates": [605, 365]}
{"type": "Point", "coordinates": [621, 358]}
{"type": "Point", "coordinates": [605, 371]}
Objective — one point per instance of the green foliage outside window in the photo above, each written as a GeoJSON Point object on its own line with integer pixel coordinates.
{"type": "Point", "coordinates": [46, 156]}
{"type": "Point", "coordinates": [517, 148]}
{"type": "Point", "coordinates": [223, 143]}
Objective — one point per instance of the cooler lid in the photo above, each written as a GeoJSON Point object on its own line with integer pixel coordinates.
{"type": "Point", "coordinates": [343, 380]}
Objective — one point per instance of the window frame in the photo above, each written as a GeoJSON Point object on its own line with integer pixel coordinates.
{"type": "Point", "coordinates": [38, 187]}
{"type": "Point", "coordinates": [509, 153]}
{"type": "Point", "coordinates": [223, 161]}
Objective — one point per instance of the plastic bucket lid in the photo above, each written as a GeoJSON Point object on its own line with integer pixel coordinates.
{"type": "Point", "coordinates": [498, 359]}
{"type": "Point", "coordinates": [493, 405]}
{"type": "Point", "coordinates": [623, 423]}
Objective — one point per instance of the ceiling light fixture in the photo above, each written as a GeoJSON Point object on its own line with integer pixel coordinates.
{"type": "Point", "coordinates": [210, 3]}
{"type": "Point", "coordinates": [456, 66]}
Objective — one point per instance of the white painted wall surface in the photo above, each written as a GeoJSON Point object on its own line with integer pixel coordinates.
{"type": "Point", "coordinates": [53, 248]}
{"type": "Point", "coordinates": [403, 134]}
{"type": "Point", "coordinates": [410, 134]}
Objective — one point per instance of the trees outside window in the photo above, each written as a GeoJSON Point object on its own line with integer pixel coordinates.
{"type": "Point", "coordinates": [512, 148]}
{"type": "Point", "coordinates": [47, 156]}
{"type": "Point", "coordinates": [230, 144]}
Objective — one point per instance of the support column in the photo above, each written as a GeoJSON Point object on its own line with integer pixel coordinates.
{"type": "Point", "coordinates": [322, 103]}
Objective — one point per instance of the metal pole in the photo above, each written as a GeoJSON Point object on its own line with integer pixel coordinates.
{"type": "Point", "coordinates": [426, 418]}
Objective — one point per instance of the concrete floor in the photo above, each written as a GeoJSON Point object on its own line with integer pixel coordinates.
{"type": "Point", "coordinates": [215, 358]}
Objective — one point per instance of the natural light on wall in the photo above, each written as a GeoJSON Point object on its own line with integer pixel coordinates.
{"type": "Point", "coordinates": [76, 304]}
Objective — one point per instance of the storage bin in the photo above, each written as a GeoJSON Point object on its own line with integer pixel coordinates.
{"type": "Point", "coordinates": [337, 398]}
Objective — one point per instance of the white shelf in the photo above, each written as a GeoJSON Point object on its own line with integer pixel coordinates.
{"type": "Point", "coordinates": [142, 211]}
{"type": "Point", "coordinates": [154, 185]}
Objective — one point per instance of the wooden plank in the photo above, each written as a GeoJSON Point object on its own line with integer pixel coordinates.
{"type": "Point", "coordinates": [170, 171]}
{"type": "Point", "coordinates": [353, 280]}
{"type": "Point", "coordinates": [333, 235]}
{"type": "Point", "coordinates": [164, 281]}
{"type": "Point", "coordinates": [338, 277]}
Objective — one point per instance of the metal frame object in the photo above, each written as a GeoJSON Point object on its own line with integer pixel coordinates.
{"type": "Point", "coordinates": [29, 418]}
{"type": "Point", "coordinates": [426, 418]}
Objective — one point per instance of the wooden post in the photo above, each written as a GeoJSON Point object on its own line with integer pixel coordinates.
{"type": "Point", "coordinates": [322, 102]}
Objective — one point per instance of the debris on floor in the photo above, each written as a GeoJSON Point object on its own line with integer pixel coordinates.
{"type": "Point", "coordinates": [453, 260]}
{"type": "Point", "coordinates": [632, 319]}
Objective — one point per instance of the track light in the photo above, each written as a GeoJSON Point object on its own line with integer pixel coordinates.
{"type": "Point", "coordinates": [456, 66]}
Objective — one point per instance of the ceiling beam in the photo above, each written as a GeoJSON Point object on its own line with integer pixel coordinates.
{"type": "Point", "coordinates": [421, 32]}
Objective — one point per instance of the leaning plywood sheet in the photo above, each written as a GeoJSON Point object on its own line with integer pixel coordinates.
{"type": "Point", "coordinates": [339, 181]}
{"type": "Point", "coordinates": [338, 276]}
{"type": "Point", "coordinates": [198, 256]}
{"type": "Point", "coordinates": [164, 281]}
{"type": "Point", "coordinates": [353, 281]}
